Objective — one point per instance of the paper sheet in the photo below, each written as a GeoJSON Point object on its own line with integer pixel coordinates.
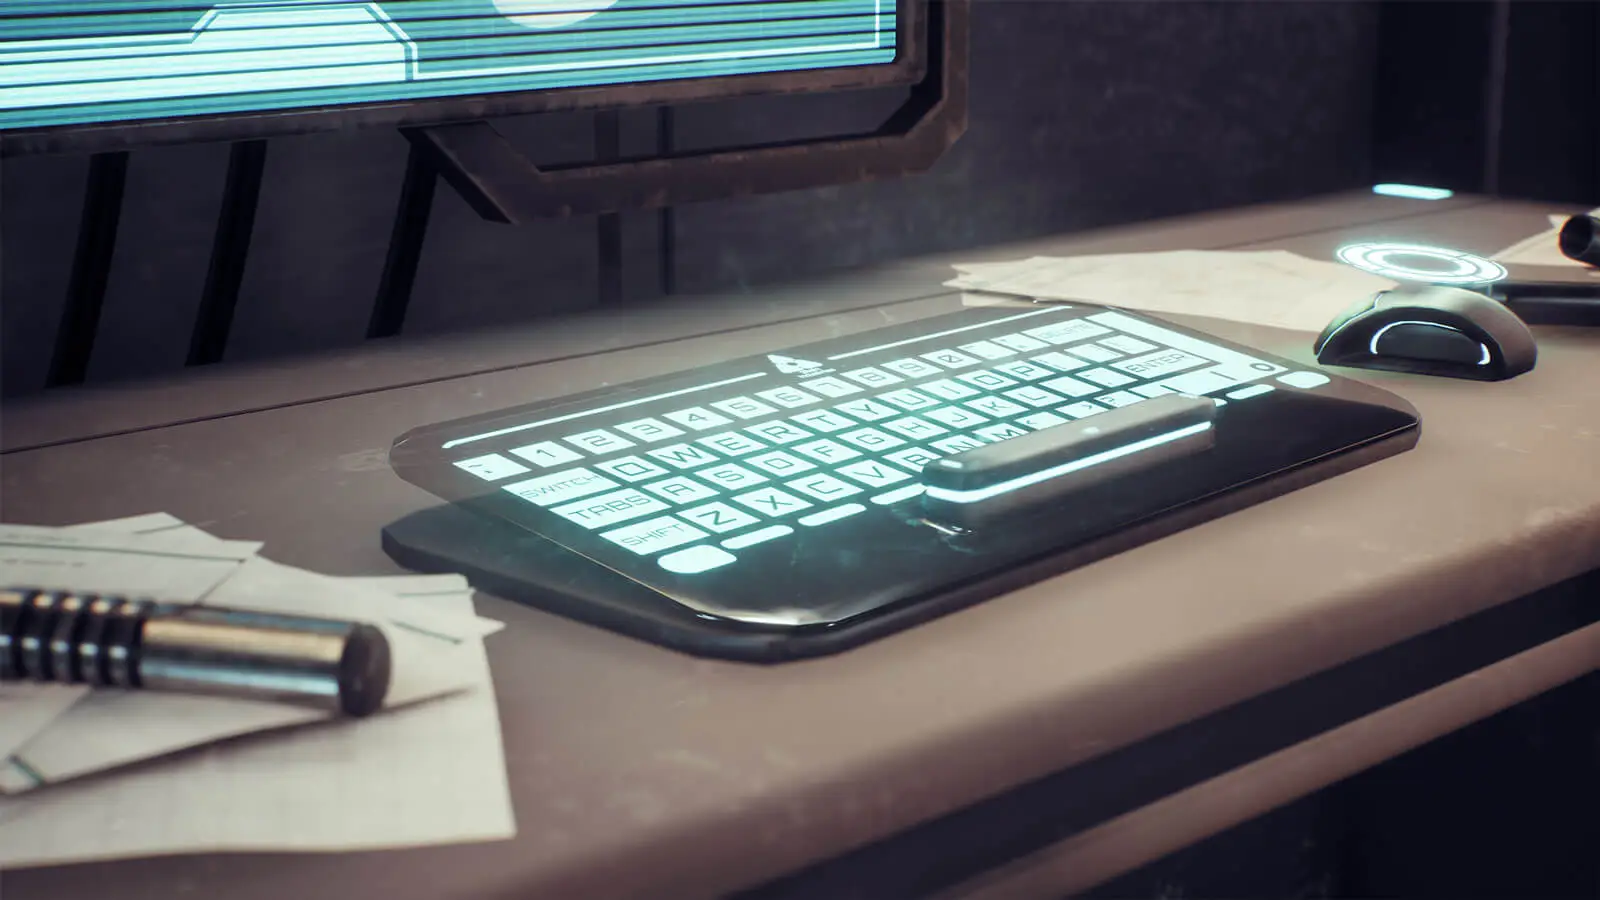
{"type": "Point", "coordinates": [109, 556]}
{"type": "Point", "coordinates": [428, 774]}
{"type": "Point", "coordinates": [432, 772]}
{"type": "Point", "coordinates": [1541, 249]}
{"type": "Point", "coordinates": [106, 729]}
{"type": "Point", "coordinates": [1274, 287]}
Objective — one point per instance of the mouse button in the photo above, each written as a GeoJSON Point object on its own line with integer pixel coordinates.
{"type": "Point", "coordinates": [1344, 318]}
{"type": "Point", "coordinates": [1429, 341]}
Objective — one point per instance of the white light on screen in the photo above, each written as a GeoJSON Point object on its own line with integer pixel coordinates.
{"type": "Point", "coordinates": [1412, 191]}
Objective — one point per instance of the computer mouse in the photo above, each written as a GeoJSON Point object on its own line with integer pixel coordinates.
{"type": "Point", "coordinates": [1430, 330]}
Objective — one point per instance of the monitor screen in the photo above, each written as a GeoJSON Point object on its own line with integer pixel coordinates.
{"type": "Point", "coordinates": [75, 63]}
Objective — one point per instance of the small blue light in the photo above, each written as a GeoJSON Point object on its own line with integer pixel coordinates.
{"type": "Point", "coordinates": [1412, 191]}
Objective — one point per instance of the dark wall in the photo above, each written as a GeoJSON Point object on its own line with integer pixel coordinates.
{"type": "Point", "coordinates": [1083, 114]}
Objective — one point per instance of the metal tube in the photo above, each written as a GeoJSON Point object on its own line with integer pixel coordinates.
{"type": "Point", "coordinates": [72, 638]}
{"type": "Point", "coordinates": [1580, 239]}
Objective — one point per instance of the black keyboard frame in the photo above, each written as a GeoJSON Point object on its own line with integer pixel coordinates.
{"type": "Point", "coordinates": [1267, 446]}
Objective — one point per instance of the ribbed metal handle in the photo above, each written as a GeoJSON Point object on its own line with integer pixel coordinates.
{"type": "Point", "coordinates": [121, 642]}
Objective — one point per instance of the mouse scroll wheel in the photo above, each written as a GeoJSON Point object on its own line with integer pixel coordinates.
{"type": "Point", "coordinates": [1429, 340]}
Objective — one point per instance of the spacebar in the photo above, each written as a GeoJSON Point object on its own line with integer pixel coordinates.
{"type": "Point", "coordinates": [1041, 466]}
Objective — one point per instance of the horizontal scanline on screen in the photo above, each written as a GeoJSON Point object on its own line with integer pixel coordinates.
{"type": "Point", "coordinates": [278, 99]}
{"type": "Point", "coordinates": [50, 25]}
{"type": "Point", "coordinates": [859, 23]}
{"type": "Point", "coordinates": [552, 59]}
{"type": "Point", "coordinates": [246, 79]}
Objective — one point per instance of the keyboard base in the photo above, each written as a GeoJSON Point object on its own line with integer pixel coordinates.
{"type": "Point", "coordinates": [510, 562]}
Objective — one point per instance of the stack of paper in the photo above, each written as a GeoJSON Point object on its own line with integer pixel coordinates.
{"type": "Point", "coordinates": [1273, 287]}
{"type": "Point", "coordinates": [217, 774]}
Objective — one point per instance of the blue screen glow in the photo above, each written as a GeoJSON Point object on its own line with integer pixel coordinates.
{"type": "Point", "coordinates": [82, 61]}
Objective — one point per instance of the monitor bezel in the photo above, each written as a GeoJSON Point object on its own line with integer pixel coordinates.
{"type": "Point", "coordinates": [909, 67]}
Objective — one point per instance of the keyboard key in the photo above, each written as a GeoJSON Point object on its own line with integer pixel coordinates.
{"type": "Point", "coordinates": [1202, 382]}
{"type": "Point", "coordinates": [546, 454]}
{"type": "Point", "coordinates": [987, 350]}
{"type": "Point", "coordinates": [787, 397]}
{"type": "Point", "coordinates": [1129, 345]}
{"type": "Point", "coordinates": [1060, 361]}
{"type": "Point", "coordinates": [1119, 399]}
{"type": "Point", "coordinates": [609, 509]}
{"type": "Point", "coordinates": [1082, 410]}
{"type": "Point", "coordinates": [950, 359]}
{"type": "Point", "coordinates": [1021, 343]}
{"type": "Point", "coordinates": [772, 502]}
{"type": "Point", "coordinates": [781, 464]}
{"type": "Point", "coordinates": [680, 489]}
{"type": "Point", "coordinates": [899, 494]}
{"type": "Point", "coordinates": [872, 378]}
{"type": "Point", "coordinates": [872, 473]}
{"type": "Point", "coordinates": [631, 468]}
{"type": "Point", "coordinates": [599, 441]}
{"type": "Point", "coordinates": [683, 456]}
{"type": "Point", "coordinates": [732, 443]}
{"type": "Point", "coordinates": [1105, 377]}
{"type": "Point", "coordinates": [1041, 420]}
{"type": "Point", "coordinates": [648, 430]}
{"type": "Point", "coordinates": [1160, 364]}
{"type": "Point", "coordinates": [914, 428]}
{"type": "Point", "coordinates": [562, 487]}
{"type": "Point", "coordinates": [949, 390]}
{"type": "Point", "coordinates": [730, 477]}
{"type": "Point", "coordinates": [1026, 371]}
{"type": "Point", "coordinates": [867, 410]}
{"type": "Point", "coordinates": [1067, 332]}
{"type": "Point", "coordinates": [957, 444]}
{"type": "Point", "coordinates": [998, 407]}
{"type": "Point", "coordinates": [1304, 380]}
{"type": "Point", "coordinates": [911, 368]}
{"type": "Point", "coordinates": [698, 418]}
{"type": "Point", "coordinates": [999, 432]}
{"type": "Point", "coordinates": [987, 380]}
{"type": "Point", "coordinates": [1072, 387]}
{"type": "Point", "coordinates": [492, 467]}
{"type": "Point", "coordinates": [1155, 333]}
{"type": "Point", "coordinates": [823, 487]}
{"type": "Point", "coordinates": [823, 420]}
{"type": "Point", "coordinates": [779, 432]}
{"type": "Point", "coordinates": [770, 533]}
{"type": "Point", "coordinates": [718, 518]}
{"type": "Point", "coordinates": [1151, 390]}
{"type": "Point", "coordinates": [831, 387]}
{"type": "Point", "coordinates": [956, 416]}
{"type": "Point", "coordinates": [695, 560]}
{"type": "Point", "coordinates": [1034, 396]}
{"type": "Point", "coordinates": [871, 439]}
{"type": "Point", "coordinates": [833, 515]}
{"type": "Point", "coordinates": [826, 452]}
{"type": "Point", "coordinates": [908, 400]}
{"type": "Point", "coordinates": [1254, 390]}
{"type": "Point", "coordinates": [743, 407]}
{"type": "Point", "coordinates": [912, 458]}
{"type": "Point", "coordinates": [654, 535]}
{"type": "Point", "coordinates": [1095, 353]}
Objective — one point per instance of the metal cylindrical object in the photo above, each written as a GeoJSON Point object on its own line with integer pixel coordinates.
{"type": "Point", "coordinates": [101, 641]}
{"type": "Point", "coordinates": [1580, 239]}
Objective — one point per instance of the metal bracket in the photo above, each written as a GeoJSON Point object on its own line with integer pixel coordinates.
{"type": "Point", "coordinates": [502, 185]}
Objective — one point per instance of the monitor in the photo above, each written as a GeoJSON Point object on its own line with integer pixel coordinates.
{"type": "Point", "coordinates": [98, 74]}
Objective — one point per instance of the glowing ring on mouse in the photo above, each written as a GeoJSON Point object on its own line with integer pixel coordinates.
{"type": "Point", "coordinates": [1460, 267]}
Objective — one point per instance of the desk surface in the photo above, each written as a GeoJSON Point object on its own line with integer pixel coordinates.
{"type": "Point", "coordinates": [640, 772]}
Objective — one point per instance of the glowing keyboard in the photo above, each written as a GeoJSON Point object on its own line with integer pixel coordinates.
{"type": "Point", "coordinates": [824, 482]}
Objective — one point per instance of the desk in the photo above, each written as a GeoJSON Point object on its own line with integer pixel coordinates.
{"type": "Point", "coordinates": [638, 772]}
